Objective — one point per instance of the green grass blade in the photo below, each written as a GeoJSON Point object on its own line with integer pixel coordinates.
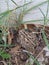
{"type": "Point", "coordinates": [7, 12]}
{"type": "Point", "coordinates": [47, 9]}
{"type": "Point", "coordinates": [32, 61]}
{"type": "Point", "coordinates": [45, 39]}
{"type": "Point", "coordinates": [32, 57]}
{"type": "Point", "coordinates": [35, 6]}
{"type": "Point", "coordinates": [35, 60]}
{"type": "Point", "coordinates": [7, 3]}
{"type": "Point", "coordinates": [47, 12]}
{"type": "Point", "coordinates": [43, 16]}
{"type": "Point", "coordinates": [42, 12]}
{"type": "Point", "coordinates": [20, 18]}
{"type": "Point", "coordinates": [23, 5]}
{"type": "Point", "coordinates": [32, 21]}
{"type": "Point", "coordinates": [4, 55]}
{"type": "Point", "coordinates": [7, 45]}
{"type": "Point", "coordinates": [14, 2]}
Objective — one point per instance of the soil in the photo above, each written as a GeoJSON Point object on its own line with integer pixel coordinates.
{"type": "Point", "coordinates": [27, 41]}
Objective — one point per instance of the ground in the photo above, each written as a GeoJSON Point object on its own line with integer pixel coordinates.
{"type": "Point", "coordinates": [29, 42]}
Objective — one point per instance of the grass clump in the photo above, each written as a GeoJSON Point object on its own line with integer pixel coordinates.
{"type": "Point", "coordinates": [4, 54]}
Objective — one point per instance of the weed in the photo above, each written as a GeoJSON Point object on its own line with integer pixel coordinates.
{"type": "Point", "coordinates": [4, 54]}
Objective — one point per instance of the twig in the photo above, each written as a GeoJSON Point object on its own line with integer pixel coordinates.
{"type": "Point", "coordinates": [36, 32]}
{"type": "Point", "coordinates": [25, 26]}
{"type": "Point", "coordinates": [4, 62]}
{"type": "Point", "coordinates": [28, 52]}
{"type": "Point", "coordinates": [39, 53]}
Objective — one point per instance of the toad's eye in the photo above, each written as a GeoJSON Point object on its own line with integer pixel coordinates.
{"type": "Point", "coordinates": [0, 31]}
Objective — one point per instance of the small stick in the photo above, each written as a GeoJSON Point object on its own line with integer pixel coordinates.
{"type": "Point", "coordinates": [4, 62]}
{"type": "Point", "coordinates": [39, 54]}
{"type": "Point", "coordinates": [28, 52]}
{"type": "Point", "coordinates": [36, 32]}
{"type": "Point", "coordinates": [25, 26]}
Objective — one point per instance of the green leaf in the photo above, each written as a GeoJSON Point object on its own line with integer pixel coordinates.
{"type": "Point", "coordinates": [4, 54]}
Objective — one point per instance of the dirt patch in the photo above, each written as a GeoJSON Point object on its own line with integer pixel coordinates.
{"type": "Point", "coordinates": [30, 41]}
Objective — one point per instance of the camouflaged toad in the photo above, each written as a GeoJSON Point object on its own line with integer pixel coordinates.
{"type": "Point", "coordinates": [28, 39]}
